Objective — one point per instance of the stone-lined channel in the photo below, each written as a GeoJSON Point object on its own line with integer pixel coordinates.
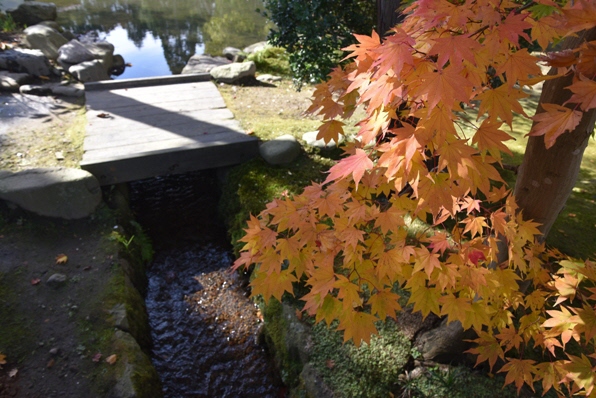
{"type": "Point", "coordinates": [204, 328]}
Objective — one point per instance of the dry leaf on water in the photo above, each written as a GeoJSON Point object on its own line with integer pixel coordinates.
{"type": "Point", "coordinates": [112, 359]}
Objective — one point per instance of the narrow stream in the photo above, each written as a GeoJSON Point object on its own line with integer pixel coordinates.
{"type": "Point", "coordinates": [204, 328]}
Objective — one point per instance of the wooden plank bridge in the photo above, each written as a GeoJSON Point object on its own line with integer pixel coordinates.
{"type": "Point", "coordinates": [141, 128]}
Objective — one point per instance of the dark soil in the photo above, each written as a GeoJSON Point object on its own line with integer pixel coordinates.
{"type": "Point", "coordinates": [49, 333]}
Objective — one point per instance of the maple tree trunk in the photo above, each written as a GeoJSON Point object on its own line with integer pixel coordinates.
{"type": "Point", "coordinates": [387, 17]}
{"type": "Point", "coordinates": [547, 176]}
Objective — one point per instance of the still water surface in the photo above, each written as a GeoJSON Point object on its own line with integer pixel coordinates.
{"type": "Point", "coordinates": [159, 36]}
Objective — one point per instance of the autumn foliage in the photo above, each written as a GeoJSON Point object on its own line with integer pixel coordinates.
{"type": "Point", "coordinates": [418, 156]}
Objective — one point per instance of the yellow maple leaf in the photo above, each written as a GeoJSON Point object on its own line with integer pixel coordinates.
{"type": "Point", "coordinates": [61, 259]}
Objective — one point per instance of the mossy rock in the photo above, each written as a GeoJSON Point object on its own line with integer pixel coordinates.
{"type": "Point", "coordinates": [315, 362]}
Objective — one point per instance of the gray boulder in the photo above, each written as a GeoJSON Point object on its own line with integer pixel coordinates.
{"type": "Point", "coordinates": [90, 71]}
{"type": "Point", "coordinates": [253, 48]}
{"type": "Point", "coordinates": [310, 139]}
{"type": "Point", "coordinates": [203, 64]}
{"type": "Point", "coordinates": [75, 52]}
{"type": "Point", "coordinates": [21, 60]}
{"type": "Point", "coordinates": [233, 72]}
{"type": "Point", "coordinates": [72, 53]}
{"type": "Point", "coordinates": [101, 50]}
{"type": "Point", "coordinates": [33, 12]}
{"type": "Point", "coordinates": [231, 52]}
{"type": "Point", "coordinates": [54, 192]}
{"type": "Point", "coordinates": [44, 38]}
{"type": "Point", "coordinates": [52, 24]}
{"type": "Point", "coordinates": [281, 150]}
{"type": "Point", "coordinates": [12, 81]}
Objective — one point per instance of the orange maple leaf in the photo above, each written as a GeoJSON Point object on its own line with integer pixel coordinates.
{"type": "Point", "coordinates": [425, 300]}
{"type": "Point", "coordinates": [519, 66]}
{"type": "Point", "coordinates": [554, 121]}
{"type": "Point", "coordinates": [384, 304]}
{"type": "Point", "coordinates": [358, 326]}
{"type": "Point", "coordinates": [367, 44]}
{"type": "Point", "coordinates": [445, 85]}
{"type": "Point", "coordinates": [487, 349]}
{"type": "Point", "coordinates": [395, 53]}
{"type": "Point", "coordinates": [330, 130]}
{"type": "Point", "coordinates": [354, 165]}
{"type": "Point", "coordinates": [584, 93]}
{"type": "Point", "coordinates": [454, 49]}
{"type": "Point", "coordinates": [519, 371]}
{"type": "Point", "coordinates": [455, 307]}
{"type": "Point", "coordinates": [501, 102]}
{"type": "Point", "coordinates": [490, 138]}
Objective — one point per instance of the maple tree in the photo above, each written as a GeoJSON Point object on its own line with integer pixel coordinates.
{"type": "Point", "coordinates": [479, 262]}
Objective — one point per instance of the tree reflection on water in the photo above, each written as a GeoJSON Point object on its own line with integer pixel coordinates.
{"type": "Point", "coordinates": [184, 27]}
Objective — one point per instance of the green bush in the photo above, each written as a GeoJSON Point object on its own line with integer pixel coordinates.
{"type": "Point", "coordinates": [313, 32]}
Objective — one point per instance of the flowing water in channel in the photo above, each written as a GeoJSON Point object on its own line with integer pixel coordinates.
{"type": "Point", "coordinates": [204, 328]}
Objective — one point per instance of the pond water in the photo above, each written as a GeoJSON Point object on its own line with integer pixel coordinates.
{"type": "Point", "coordinates": [159, 36]}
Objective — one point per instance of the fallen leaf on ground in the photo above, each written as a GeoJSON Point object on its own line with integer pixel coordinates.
{"type": "Point", "coordinates": [35, 281]}
{"type": "Point", "coordinates": [13, 372]}
{"type": "Point", "coordinates": [330, 363]}
{"type": "Point", "coordinates": [61, 259]}
{"type": "Point", "coordinates": [50, 363]}
{"type": "Point", "coordinates": [96, 357]}
{"type": "Point", "coordinates": [2, 360]}
{"type": "Point", "coordinates": [112, 359]}
{"type": "Point", "coordinates": [104, 115]}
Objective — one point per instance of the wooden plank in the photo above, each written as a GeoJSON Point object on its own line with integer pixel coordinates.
{"type": "Point", "coordinates": [102, 141]}
{"type": "Point", "coordinates": [146, 81]}
{"type": "Point", "coordinates": [140, 108]}
{"type": "Point", "coordinates": [145, 148]}
{"type": "Point", "coordinates": [171, 162]}
{"type": "Point", "coordinates": [169, 121]}
{"type": "Point", "coordinates": [160, 130]}
{"type": "Point", "coordinates": [201, 88]}
{"type": "Point", "coordinates": [116, 102]}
